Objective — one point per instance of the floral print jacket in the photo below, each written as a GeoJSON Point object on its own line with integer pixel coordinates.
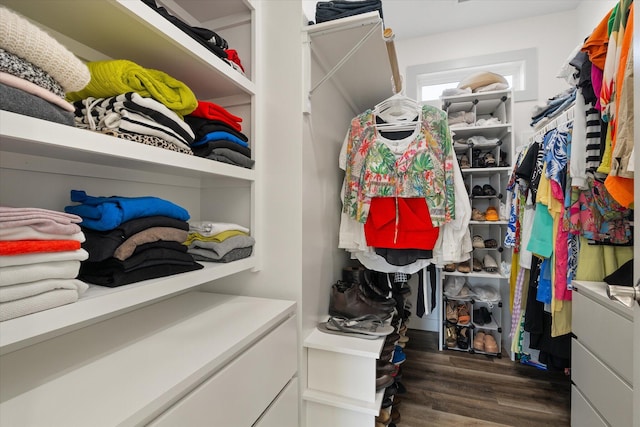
{"type": "Point", "coordinates": [423, 169]}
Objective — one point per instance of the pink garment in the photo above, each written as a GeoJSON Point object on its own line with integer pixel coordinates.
{"type": "Point", "coordinates": [42, 220]}
{"type": "Point", "coordinates": [34, 89]}
{"type": "Point", "coordinates": [596, 81]}
{"type": "Point", "coordinates": [561, 250]}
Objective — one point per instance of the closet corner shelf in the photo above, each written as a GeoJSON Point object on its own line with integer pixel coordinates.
{"type": "Point", "coordinates": [31, 136]}
{"type": "Point", "coordinates": [371, 408]}
{"type": "Point", "coordinates": [149, 40]}
{"type": "Point", "coordinates": [365, 78]}
{"type": "Point", "coordinates": [100, 302]}
{"type": "Point", "coordinates": [343, 344]}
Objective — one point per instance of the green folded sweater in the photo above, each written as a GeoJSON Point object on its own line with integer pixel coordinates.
{"type": "Point", "coordinates": [114, 77]}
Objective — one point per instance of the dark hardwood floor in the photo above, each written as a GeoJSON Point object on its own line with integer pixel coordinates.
{"type": "Point", "coordinates": [454, 388]}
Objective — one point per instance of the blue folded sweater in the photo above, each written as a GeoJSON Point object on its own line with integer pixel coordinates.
{"type": "Point", "coordinates": [106, 213]}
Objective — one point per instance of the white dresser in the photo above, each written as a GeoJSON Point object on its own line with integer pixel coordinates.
{"type": "Point", "coordinates": [601, 359]}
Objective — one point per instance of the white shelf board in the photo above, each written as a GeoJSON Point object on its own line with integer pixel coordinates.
{"type": "Point", "coordinates": [500, 222]}
{"type": "Point", "coordinates": [111, 374]}
{"type": "Point", "coordinates": [491, 131]}
{"type": "Point", "coordinates": [365, 77]}
{"type": "Point", "coordinates": [482, 274]}
{"type": "Point", "coordinates": [28, 135]}
{"type": "Point", "coordinates": [149, 40]}
{"type": "Point", "coordinates": [480, 96]}
{"type": "Point", "coordinates": [329, 399]}
{"type": "Point", "coordinates": [487, 171]}
{"type": "Point", "coordinates": [102, 302]}
{"type": "Point", "coordinates": [344, 344]}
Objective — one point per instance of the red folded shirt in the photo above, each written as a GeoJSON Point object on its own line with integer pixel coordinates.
{"type": "Point", "coordinates": [211, 111]}
{"type": "Point", "coordinates": [19, 247]}
{"type": "Point", "coordinates": [413, 229]}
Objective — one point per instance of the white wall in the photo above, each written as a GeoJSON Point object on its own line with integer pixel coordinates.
{"type": "Point", "coordinates": [555, 36]}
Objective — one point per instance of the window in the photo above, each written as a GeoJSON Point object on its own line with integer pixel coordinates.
{"type": "Point", "coordinates": [427, 81]}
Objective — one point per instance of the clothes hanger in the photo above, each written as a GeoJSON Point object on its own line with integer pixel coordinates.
{"type": "Point", "coordinates": [399, 113]}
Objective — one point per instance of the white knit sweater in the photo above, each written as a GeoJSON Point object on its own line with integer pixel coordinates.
{"type": "Point", "coordinates": [26, 40]}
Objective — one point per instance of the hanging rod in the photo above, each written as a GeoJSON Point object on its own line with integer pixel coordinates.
{"type": "Point", "coordinates": [389, 36]}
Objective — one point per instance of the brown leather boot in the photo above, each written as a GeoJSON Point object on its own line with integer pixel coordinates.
{"type": "Point", "coordinates": [347, 301]}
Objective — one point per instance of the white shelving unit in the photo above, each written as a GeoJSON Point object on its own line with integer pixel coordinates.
{"type": "Point", "coordinates": [158, 351]}
{"type": "Point", "coordinates": [347, 71]}
{"type": "Point", "coordinates": [34, 151]}
{"type": "Point", "coordinates": [487, 105]}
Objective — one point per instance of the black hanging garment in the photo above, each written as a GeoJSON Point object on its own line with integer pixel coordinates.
{"type": "Point", "coordinates": [330, 10]}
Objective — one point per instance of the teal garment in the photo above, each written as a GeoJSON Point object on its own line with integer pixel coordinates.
{"type": "Point", "coordinates": [541, 241]}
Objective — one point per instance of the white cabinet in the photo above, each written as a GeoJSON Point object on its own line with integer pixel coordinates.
{"type": "Point", "coordinates": [341, 380]}
{"type": "Point", "coordinates": [198, 351]}
{"type": "Point", "coordinates": [601, 358]}
{"type": "Point", "coordinates": [484, 146]}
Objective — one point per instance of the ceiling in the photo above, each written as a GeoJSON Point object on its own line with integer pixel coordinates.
{"type": "Point", "coordinates": [415, 18]}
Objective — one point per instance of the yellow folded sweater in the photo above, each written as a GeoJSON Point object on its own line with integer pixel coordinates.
{"type": "Point", "coordinates": [118, 76]}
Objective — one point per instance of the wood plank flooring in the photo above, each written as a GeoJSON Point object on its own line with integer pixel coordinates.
{"type": "Point", "coordinates": [453, 388]}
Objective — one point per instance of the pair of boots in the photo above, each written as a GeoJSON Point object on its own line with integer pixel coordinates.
{"type": "Point", "coordinates": [350, 301]}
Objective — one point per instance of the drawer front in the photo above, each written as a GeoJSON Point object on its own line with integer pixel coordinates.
{"type": "Point", "coordinates": [607, 392]}
{"type": "Point", "coordinates": [605, 333]}
{"type": "Point", "coordinates": [582, 413]}
{"type": "Point", "coordinates": [284, 411]}
{"type": "Point", "coordinates": [242, 390]}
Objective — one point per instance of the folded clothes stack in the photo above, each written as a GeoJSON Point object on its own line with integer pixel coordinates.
{"type": "Point", "coordinates": [218, 135]}
{"type": "Point", "coordinates": [130, 239]}
{"type": "Point", "coordinates": [40, 254]}
{"type": "Point", "coordinates": [36, 71]}
{"type": "Point", "coordinates": [219, 241]}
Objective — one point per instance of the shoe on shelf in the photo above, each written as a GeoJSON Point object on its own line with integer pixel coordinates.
{"type": "Point", "coordinates": [489, 160]}
{"type": "Point", "coordinates": [463, 337]}
{"type": "Point", "coordinates": [490, 344]}
{"type": "Point", "coordinates": [491, 214]}
{"type": "Point", "coordinates": [478, 341]}
{"type": "Point", "coordinates": [464, 162]}
{"type": "Point", "coordinates": [452, 336]}
{"type": "Point", "coordinates": [384, 417]}
{"type": "Point", "coordinates": [490, 243]}
{"type": "Point", "coordinates": [452, 312]}
{"type": "Point", "coordinates": [384, 381]}
{"type": "Point", "coordinates": [398, 356]}
{"type": "Point", "coordinates": [490, 264]}
{"type": "Point", "coordinates": [464, 267]}
{"type": "Point", "coordinates": [451, 267]}
{"type": "Point", "coordinates": [347, 301]}
{"type": "Point", "coordinates": [478, 241]}
{"type": "Point", "coordinates": [463, 314]}
{"type": "Point", "coordinates": [477, 264]}
{"type": "Point", "coordinates": [477, 191]}
{"type": "Point", "coordinates": [476, 215]}
{"type": "Point", "coordinates": [488, 190]}
{"type": "Point", "coordinates": [484, 314]}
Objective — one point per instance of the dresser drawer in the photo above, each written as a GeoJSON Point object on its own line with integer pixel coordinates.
{"type": "Point", "coordinates": [606, 391]}
{"type": "Point", "coordinates": [284, 410]}
{"type": "Point", "coordinates": [239, 393]}
{"type": "Point", "coordinates": [607, 334]}
{"type": "Point", "coordinates": [582, 413]}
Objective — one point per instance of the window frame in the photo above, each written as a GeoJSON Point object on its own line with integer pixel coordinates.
{"type": "Point", "coordinates": [528, 56]}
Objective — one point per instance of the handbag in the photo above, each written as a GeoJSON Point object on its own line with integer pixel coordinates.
{"type": "Point", "coordinates": [330, 10]}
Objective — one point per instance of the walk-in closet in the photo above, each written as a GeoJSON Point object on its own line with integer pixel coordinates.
{"type": "Point", "coordinates": [300, 213]}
